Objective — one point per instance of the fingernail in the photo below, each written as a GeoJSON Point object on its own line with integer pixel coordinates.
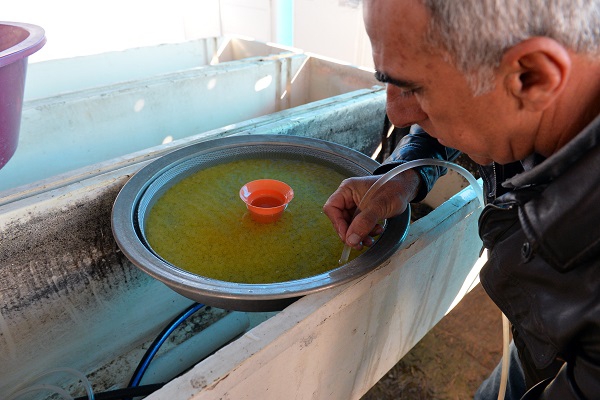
{"type": "Point", "coordinates": [353, 239]}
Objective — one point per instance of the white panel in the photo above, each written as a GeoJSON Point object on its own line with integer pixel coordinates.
{"type": "Point", "coordinates": [201, 19]}
{"type": "Point", "coordinates": [249, 17]}
{"type": "Point", "coordinates": [75, 28]}
{"type": "Point", "coordinates": [332, 28]}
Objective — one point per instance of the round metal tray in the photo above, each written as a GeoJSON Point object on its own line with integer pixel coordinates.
{"type": "Point", "coordinates": [138, 195]}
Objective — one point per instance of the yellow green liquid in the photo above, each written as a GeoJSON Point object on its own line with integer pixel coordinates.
{"type": "Point", "coordinates": [201, 225]}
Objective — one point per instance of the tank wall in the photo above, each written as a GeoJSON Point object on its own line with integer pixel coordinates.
{"type": "Point", "coordinates": [330, 76]}
{"type": "Point", "coordinates": [237, 48]}
{"type": "Point", "coordinates": [64, 132]}
{"type": "Point", "coordinates": [68, 296]}
{"type": "Point", "coordinates": [69, 131]}
{"type": "Point", "coordinates": [59, 76]}
{"type": "Point", "coordinates": [320, 78]}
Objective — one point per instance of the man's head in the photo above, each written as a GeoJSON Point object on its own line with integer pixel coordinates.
{"type": "Point", "coordinates": [490, 79]}
{"type": "Point", "coordinates": [477, 33]}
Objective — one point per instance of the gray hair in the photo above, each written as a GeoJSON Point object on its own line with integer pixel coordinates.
{"type": "Point", "coordinates": [476, 33]}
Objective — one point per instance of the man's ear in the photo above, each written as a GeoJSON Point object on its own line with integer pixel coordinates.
{"type": "Point", "coordinates": [536, 71]}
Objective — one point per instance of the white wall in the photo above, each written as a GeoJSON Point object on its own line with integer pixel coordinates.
{"type": "Point", "coordinates": [76, 27]}
{"type": "Point", "coordinates": [331, 28]}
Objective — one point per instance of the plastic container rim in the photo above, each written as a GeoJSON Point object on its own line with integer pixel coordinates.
{"type": "Point", "coordinates": [33, 42]}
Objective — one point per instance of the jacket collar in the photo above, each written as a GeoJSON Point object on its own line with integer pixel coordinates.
{"type": "Point", "coordinates": [555, 165]}
{"type": "Point", "coordinates": [560, 214]}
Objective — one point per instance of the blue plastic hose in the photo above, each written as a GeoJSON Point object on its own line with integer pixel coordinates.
{"type": "Point", "coordinates": [160, 339]}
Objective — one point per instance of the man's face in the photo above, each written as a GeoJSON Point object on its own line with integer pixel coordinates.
{"type": "Point", "coordinates": [425, 88]}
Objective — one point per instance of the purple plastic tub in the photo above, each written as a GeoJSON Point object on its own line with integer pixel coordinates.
{"type": "Point", "coordinates": [17, 42]}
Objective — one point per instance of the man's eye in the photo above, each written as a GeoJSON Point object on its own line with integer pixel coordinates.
{"type": "Point", "coordinates": [407, 92]}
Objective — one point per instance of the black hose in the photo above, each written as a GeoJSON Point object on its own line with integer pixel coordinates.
{"type": "Point", "coordinates": [126, 393]}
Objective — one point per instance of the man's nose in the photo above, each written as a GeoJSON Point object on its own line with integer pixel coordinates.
{"type": "Point", "coordinates": [403, 109]}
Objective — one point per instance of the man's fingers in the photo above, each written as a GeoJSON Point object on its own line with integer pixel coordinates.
{"type": "Point", "coordinates": [360, 229]}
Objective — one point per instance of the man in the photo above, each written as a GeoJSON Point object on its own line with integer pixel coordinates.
{"type": "Point", "coordinates": [514, 85]}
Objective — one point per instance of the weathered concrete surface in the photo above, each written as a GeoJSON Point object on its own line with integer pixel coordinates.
{"type": "Point", "coordinates": [67, 295]}
{"type": "Point", "coordinates": [66, 289]}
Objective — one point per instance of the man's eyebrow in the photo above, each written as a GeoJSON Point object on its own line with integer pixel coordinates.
{"type": "Point", "coordinates": [384, 78]}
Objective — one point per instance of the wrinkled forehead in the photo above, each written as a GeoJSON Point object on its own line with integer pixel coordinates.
{"type": "Point", "coordinates": [396, 25]}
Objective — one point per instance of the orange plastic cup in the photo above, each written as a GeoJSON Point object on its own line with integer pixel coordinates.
{"type": "Point", "coordinates": [266, 199]}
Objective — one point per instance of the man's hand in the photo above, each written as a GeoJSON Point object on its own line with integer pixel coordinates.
{"type": "Point", "coordinates": [388, 201]}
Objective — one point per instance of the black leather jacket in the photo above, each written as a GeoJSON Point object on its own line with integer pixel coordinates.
{"type": "Point", "coordinates": [542, 230]}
